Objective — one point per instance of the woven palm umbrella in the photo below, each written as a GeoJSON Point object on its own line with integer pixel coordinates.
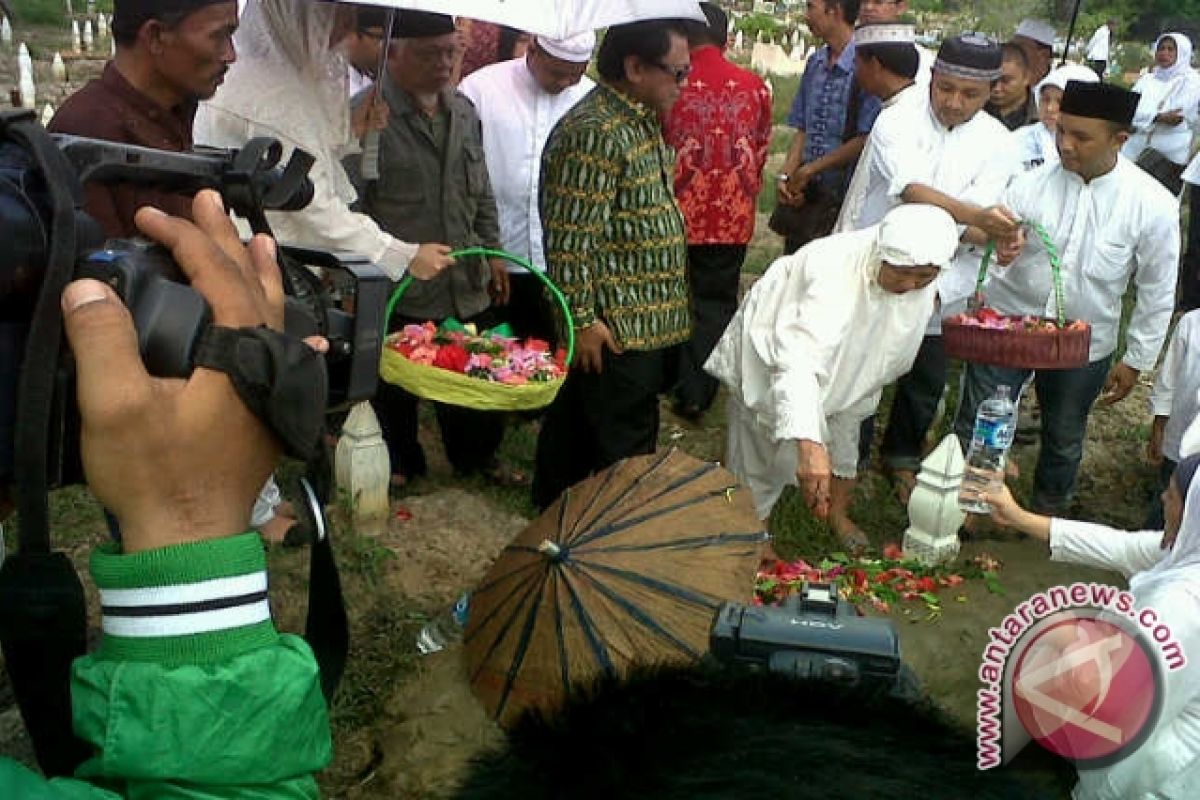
{"type": "Point", "coordinates": [627, 567]}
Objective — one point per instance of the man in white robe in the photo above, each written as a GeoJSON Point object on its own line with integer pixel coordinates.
{"type": "Point", "coordinates": [1114, 226]}
{"type": "Point", "coordinates": [519, 102]}
{"type": "Point", "coordinates": [811, 348]}
{"type": "Point", "coordinates": [937, 146]}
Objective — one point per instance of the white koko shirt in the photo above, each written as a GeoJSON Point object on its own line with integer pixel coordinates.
{"type": "Point", "coordinates": [1176, 392]}
{"type": "Point", "coordinates": [1120, 227]}
{"type": "Point", "coordinates": [517, 117]}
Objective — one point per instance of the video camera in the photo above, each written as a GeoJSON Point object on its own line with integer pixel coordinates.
{"type": "Point", "coordinates": [336, 295]}
{"type": "Point", "coordinates": [815, 634]}
{"type": "Point", "coordinates": [50, 241]}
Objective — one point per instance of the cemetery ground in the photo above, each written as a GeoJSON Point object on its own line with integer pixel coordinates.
{"type": "Point", "coordinates": [405, 725]}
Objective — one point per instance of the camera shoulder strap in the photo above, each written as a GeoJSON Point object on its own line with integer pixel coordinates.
{"type": "Point", "coordinates": [43, 627]}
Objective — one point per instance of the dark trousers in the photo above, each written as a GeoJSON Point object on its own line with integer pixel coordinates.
{"type": "Point", "coordinates": [470, 437]}
{"type": "Point", "coordinates": [1065, 397]}
{"type": "Point", "coordinates": [914, 406]}
{"type": "Point", "coordinates": [713, 273]}
{"type": "Point", "coordinates": [1155, 519]}
{"type": "Point", "coordinates": [1098, 67]}
{"type": "Point", "coordinates": [599, 419]}
{"type": "Point", "coordinates": [528, 310]}
{"type": "Point", "coordinates": [1189, 270]}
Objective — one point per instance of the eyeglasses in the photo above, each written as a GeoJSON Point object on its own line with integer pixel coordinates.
{"type": "Point", "coordinates": [680, 74]}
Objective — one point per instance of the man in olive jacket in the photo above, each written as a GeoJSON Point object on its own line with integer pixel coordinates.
{"type": "Point", "coordinates": [433, 181]}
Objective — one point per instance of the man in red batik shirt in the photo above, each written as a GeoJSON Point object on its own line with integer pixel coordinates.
{"type": "Point", "coordinates": [720, 129]}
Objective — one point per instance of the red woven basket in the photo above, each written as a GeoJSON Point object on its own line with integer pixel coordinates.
{"type": "Point", "coordinates": [1062, 348]}
{"type": "Point", "coordinates": [1065, 346]}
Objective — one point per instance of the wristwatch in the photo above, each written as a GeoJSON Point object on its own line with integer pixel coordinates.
{"type": "Point", "coordinates": [782, 177]}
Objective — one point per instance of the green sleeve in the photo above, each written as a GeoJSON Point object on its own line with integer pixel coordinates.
{"type": "Point", "coordinates": [184, 701]}
{"type": "Point", "coordinates": [16, 781]}
{"type": "Point", "coordinates": [580, 175]}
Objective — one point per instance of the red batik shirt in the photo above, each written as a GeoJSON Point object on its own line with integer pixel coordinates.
{"type": "Point", "coordinates": [720, 129]}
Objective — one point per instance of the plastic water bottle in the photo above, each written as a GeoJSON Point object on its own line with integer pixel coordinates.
{"type": "Point", "coordinates": [995, 424]}
{"type": "Point", "coordinates": [446, 628]}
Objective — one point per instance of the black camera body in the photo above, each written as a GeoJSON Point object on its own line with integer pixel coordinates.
{"type": "Point", "coordinates": [815, 634]}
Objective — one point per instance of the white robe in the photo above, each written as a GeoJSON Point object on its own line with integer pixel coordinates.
{"type": "Point", "coordinates": [265, 94]}
{"type": "Point", "coordinates": [972, 162]}
{"type": "Point", "coordinates": [517, 116]}
{"type": "Point", "coordinates": [807, 356]}
{"type": "Point", "coordinates": [1167, 765]}
{"type": "Point", "coordinates": [1120, 227]}
{"type": "Point", "coordinates": [1176, 392]}
{"type": "Point", "coordinates": [1173, 141]}
{"type": "Point", "coordinates": [1035, 145]}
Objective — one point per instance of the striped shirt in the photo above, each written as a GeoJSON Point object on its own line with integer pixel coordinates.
{"type": "Point", "coordinates": [615, 239]}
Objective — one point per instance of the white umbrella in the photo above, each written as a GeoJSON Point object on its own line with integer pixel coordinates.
{"type": "Point", "coordinates": [555, 18]}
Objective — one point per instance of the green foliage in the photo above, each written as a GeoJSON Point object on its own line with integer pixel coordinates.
{"type": "Point", "coordinates": [50, 12]}
{"type": "Point", "coordinates": [754, 24]}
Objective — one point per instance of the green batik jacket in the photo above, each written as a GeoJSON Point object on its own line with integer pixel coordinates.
{"type": "Point", "coordinates": [192, 694]}
{"type": "Point", "coordinates": [615, 239]}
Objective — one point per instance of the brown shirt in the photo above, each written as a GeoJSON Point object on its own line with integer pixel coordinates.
{"type": "Point", "coordinates": [110, 108]}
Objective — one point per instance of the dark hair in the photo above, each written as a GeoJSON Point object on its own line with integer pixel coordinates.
{"type": "Point", "coordinates": [370, 17]}
{"type": "Point", "coordinates": [509, 39]}
{"type": "Point", "coordinates": [715, 31]}
{"type": "Point", "coordinates": [649, 40]}
{"type": "Point", "coordinates": [125, 27]}
{"type": "Point", "coordinates": [705, 732]}
{"type": "Point", "coordinates": [898, 58]}
{"type": "Point", "coordinates": [849, 9]}
{"type": "Point", "coordinates": [1010, 51]}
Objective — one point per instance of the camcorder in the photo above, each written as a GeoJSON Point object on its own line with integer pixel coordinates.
{"type": "Point", "coordinates": [814, 634]}
{"type": "Point", "coordinates": [337, 295]}
{"type": "Point", "coordinates": [50, 240]}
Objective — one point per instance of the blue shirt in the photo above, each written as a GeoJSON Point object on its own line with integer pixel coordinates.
{"type": "Point", "coordinates": [820, 108]}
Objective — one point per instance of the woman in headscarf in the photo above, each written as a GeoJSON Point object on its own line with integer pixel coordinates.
{"type": "Point", "coordinates": [1163, 568]}
{"type": "Point", "coordinates": [1036, 144]}
{"type": "Point", "coordinates": [289, 83]}
{"type": "Point", "coordinates": [807, 355]}
{"type": "Point", "coordinates": [1167, 110]}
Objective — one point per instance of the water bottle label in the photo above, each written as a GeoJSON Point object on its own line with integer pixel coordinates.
{"type": "Point", "coordinates": [994, 433]}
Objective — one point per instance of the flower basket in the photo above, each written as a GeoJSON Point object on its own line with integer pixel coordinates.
{"type": "Point", "coordinates": [447, 384]}
{"type": "Point", "coordinates": [984, 336]}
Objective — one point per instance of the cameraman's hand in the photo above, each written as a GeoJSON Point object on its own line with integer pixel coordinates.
{"type": "Point", "coordinates": [429, 261]}
{"type": "Point", "coordinates": [176, 461]}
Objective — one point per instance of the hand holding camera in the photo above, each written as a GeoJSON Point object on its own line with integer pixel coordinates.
{"type": "Point", "coordinates": [150, 448]}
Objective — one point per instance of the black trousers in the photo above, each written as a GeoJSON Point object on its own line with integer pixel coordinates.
{"type": "Point", "coordinates": [529, 311]}
{"type": "Point", "coordinates": [470, 437]}
{"type": "Point", "coordinates": [713, 273]}
{"type": "Point", "coordinates": [599, 419]}
{"type": "Point", "coordinates": [914, 406]}
{"type": "Point", "coordinates": [1189, 270]}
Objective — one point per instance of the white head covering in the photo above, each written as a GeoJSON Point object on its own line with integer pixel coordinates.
{"type": "Point", "coordinates": [283, 48]}
{"type": "Point", "coordinates": [576, 49]}
{"type": "Point", "coordinates": [1038, 30]}
{"type": "Point", "coordinates": [1183, 61]}
{"type": "Point", "coordinates": [914, 234]}
{"type": "Point", "coordinates": [1059, 78]}
{"type": "Point", "coordinates": [1180, 564]}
